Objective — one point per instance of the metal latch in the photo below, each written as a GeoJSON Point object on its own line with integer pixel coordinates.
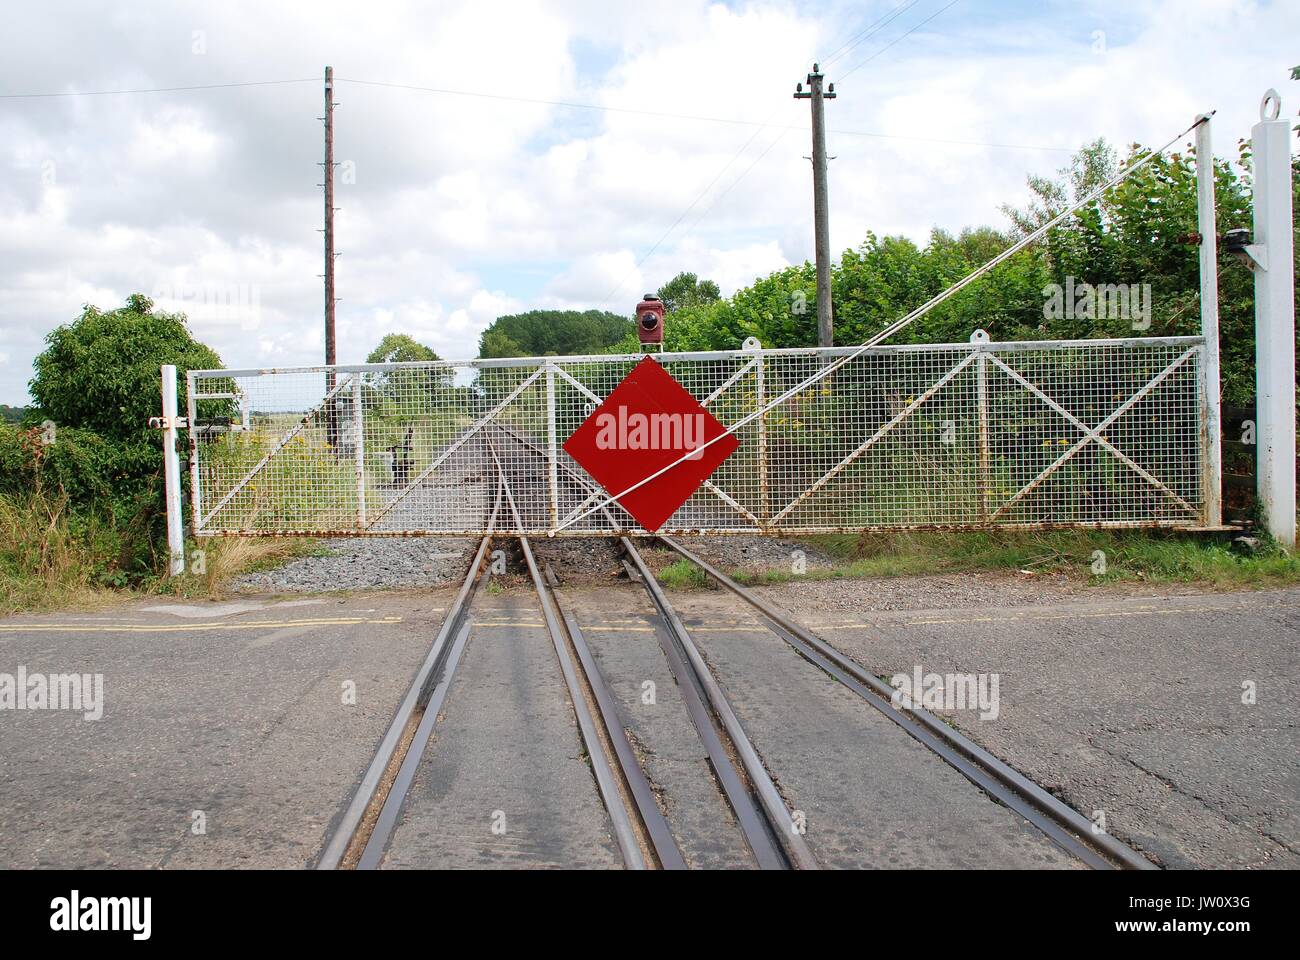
{"type": "Point", "coordinates": [168, 423]}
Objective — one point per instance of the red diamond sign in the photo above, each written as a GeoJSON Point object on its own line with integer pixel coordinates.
{"type": "Point", "coordinates": [646, 423]}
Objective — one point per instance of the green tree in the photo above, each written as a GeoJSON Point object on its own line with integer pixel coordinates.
{"type": "Point", "coordinates": [98, 473]}
{"type": "Point", "coordinates": [407, 390]}
{"type": "Point", "coordinates": [687, 290]}
{"type": "Point", "coordinates": [101, 372]}
{"type": "Point", "coordinates": [1145, 231]}
{"type": "Point", "coordinates": [497, 343]}
{"type": "Point", "coordinates": [400, 348]}
{"type": "Point", "coordinates": [540, 333]}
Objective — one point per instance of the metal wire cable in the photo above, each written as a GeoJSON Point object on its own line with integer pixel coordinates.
{"type": "Point", "coordinates": [870, 31]}
{"type": "Point", "coordinates": [903, 36]}
{"type": "Point", "coordinates": [114, 93]}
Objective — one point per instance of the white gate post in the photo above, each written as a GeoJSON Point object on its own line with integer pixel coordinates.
{"type": "Point", "coordinates": [1211, 397]}
{"type": "Point", "coordinates": [359, 447]}
{"type": "Point", "coordinates": [1273, 256]}
{"type": "Point", "coordinates": [172, 472]}
{"type": "Point", "coordinates": [552, 444]}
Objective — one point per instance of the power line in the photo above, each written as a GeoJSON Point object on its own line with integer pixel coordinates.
{"type": "Point", "coordinates": [841, 50]}
{"type": "Point", "coordinates": [570, 104]}
{"type": "Point", "coordinates": [734, 121]}
{"type": "Point", "coordinates": [718, 199]}
{"type": "Point", "coordinates": [962, 143]}
{"type": "Point", "coordinates": [870, 31]}
{"type": "Point", "coordinates": [698, 198]}
{"type": "Point", "coordinates": [902, 36]}
{"type": "Point", "coordinates": [845, 48]}
{"type": "Point", "coordinates": [115, 93]}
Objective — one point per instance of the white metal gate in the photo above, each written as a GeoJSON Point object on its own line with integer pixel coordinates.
{"type": "Point", "coordinates": [1096, 432]}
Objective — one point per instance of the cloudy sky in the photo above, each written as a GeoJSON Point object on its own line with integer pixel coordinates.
{"type": "Point", "coordinates": [571, 153]}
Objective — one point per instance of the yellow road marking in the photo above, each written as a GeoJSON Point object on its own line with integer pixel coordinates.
{"type": "Point", "coordinates": [596, 628]}
{"type": "Point", "coordinates": [691, 629]}
{"type": "Point", "coordinates": [183, 627]}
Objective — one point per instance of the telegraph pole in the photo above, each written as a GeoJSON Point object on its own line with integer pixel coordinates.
{"type": "Point", "coordinates": [821, 203]}
{"type": "Point", "coordinates": [331, 415]}
{"type": "Point", "coordinates": [329, 216]}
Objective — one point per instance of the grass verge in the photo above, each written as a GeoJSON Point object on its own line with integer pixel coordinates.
{"type": "Point", "coordinates": [52, 558]}
{"type": "Point", "coordinates": [47, 559]}
{"type": "Point", "coordinates": [1091, 556]}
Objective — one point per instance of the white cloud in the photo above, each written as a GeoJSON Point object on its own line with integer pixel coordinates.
{"type": "Point", "coordinates": [611, 273]}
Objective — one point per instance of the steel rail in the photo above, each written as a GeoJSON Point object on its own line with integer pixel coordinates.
{"type": "Point", "coordinates": [377, 842]}
{"type": "Point", "coordinates": [775, 831]}
{"type": "Point", "coordinates": [428, 680]}
{"type": "Point", "coordinates": [760, 835]}
{"type": "Point", "coordinates": [652, 819]}
{"type": "Point", "coordinates": [602, 767]}
{"type": "Point", "coordinates": [1062, 824]}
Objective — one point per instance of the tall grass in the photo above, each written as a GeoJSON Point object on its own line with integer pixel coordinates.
{"type": "Point", "coordinates": [53, 557]}
{"type": "Point", "coordinates": [225, 558]}
{"type": "Point", "coordinates": [47, 558]}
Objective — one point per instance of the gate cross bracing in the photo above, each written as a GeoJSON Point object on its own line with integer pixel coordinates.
{"type": "Point", "coordinates": [1022, 434]}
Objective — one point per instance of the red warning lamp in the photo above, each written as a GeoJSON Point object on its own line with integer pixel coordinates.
{"type": "Point", "coordinates": [650, 320]}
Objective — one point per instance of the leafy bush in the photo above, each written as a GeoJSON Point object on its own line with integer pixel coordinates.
{"type": "Point", "coordinates": [100, 373]}
{"type": "Point", "coordinates": [82, 502]}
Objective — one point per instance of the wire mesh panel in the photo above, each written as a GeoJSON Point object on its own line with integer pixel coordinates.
{"type": "Point", "coordinates": [1104, 432]}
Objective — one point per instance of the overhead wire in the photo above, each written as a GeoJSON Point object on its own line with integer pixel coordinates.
{"type": "Point", "coordinates": [116, 93]}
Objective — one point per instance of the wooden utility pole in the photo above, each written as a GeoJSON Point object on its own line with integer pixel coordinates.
{"type": "Point", "coordinates": [821, 203]}
{"type": "Point", "coordinates": [331, 415]}
{"type": "Point", "coordinates": [329, 215]}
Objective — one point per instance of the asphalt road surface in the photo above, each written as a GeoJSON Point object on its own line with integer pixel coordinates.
{"type": "Point", "coordinates": [1175, 717]}
{"type": "Point", "coordinates": [234, 734]}
{"type": "Point", "coordinates": [227, 737]}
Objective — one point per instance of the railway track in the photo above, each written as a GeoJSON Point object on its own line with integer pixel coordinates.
{"type": "Point", "coordinates": [372, 807]}
{"type": "Point", "coordinates": [1061, 824]}
{"type": "Point", "coordinates": [637, 823]}
{"type": "Point", "coordinates": [772, 832]}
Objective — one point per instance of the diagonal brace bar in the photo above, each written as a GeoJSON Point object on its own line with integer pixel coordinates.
{"type": "Point", "coordinates": [460, 442]}
{"type": "Point", "coordinates": [293, 431]}
{"type": "Point", "coordinates": [876, 437]}
{"type": "Point", "coordinates": [1094, 433]}
{"type": "Point", "coordinates": [1110, 447]}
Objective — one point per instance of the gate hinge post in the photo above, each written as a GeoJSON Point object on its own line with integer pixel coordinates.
{"type": "Point", "coordinates": [169, 422]}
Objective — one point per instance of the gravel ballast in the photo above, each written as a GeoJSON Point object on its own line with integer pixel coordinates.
{"type": "Point", "coordinates": [359, 563]}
